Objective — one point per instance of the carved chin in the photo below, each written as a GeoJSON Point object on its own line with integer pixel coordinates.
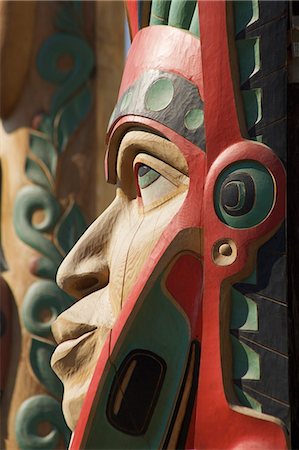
{"type": "Point", "coordinates": [72, 403]}
{"type": "Point", "coordinates": [75, 370]}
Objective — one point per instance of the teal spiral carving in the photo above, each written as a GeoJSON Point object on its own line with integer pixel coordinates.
{"type": "Point", "coordinates": [47, 224]}
{"type": "Point", "coordinates": [43, 299]}
{"type": "Point", "coordinates": [29, 200]}
{"type": "Point", "coordinates": [37, 411]}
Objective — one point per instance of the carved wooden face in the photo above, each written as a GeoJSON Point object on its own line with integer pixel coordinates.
{"type": "Point", "coordinates": [116, 252]}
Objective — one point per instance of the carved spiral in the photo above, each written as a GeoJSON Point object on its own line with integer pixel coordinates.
{"type": "Point", "coordinates": [29, 200]}
{"type": "Point", "coordinates": [43, 299]}
{"type": "Point", "coordinates": [37, 412]}
{"type": "Point", "coordinates": [81, 63]}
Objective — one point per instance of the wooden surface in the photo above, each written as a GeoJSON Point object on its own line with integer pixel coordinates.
{"type": "Point", "coordinates": [233, 247]}
{"type": "Point", "coordinates": [82, 163]}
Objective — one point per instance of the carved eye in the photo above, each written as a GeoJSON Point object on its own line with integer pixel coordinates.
{"type": "Point", "coordinates": [154, 188]}
{"type": "Point", "coordinates": [146, 176]}
{"type": "Point", "coordinates": [244, 194]}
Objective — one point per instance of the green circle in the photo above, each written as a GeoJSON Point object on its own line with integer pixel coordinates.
{"type": "Point", "coordinates": [264, 194]}
{"type": "Point", "coordinates": [194, 119]}
{"type": "Point", "coordinates": [126, 100]}
{"type": "Point", "coordinates": [159, 94]}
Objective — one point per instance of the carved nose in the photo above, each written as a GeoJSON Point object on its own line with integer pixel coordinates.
{"type": "Point", "coordinates": [86, 269]}
{"type": "Point", "coordinates": [82, 284]}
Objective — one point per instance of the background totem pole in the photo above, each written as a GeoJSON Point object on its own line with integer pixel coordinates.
{"type": "Point", "coordinates": [60, 68]}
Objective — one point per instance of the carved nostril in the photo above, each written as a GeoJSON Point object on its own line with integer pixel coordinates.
{"type": "Point", "coordinates": [86, 283]}
{"type": "Point", "coordinates": [80, 286]}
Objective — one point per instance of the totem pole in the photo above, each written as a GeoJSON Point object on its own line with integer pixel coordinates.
{"type": "Point", "coordinates": [57, 72]}
{"type": "Point", "coordinates": [180, 335]}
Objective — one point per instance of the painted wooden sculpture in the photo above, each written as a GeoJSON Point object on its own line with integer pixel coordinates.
{"type": "Point", "coordinates": [50, 151]}
{"type": "Point", "coordinates": [179, 337]}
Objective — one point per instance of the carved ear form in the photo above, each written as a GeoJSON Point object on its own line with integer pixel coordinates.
{"type": "Point", "coordinates": [244, 205]}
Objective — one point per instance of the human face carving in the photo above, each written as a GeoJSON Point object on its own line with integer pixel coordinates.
{"type": "Point", "coordinates": [102, 268]}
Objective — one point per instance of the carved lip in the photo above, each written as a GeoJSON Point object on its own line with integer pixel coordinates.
{"type": "Point", "coordinates": [63, 349]}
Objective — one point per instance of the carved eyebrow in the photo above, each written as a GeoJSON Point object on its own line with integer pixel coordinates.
{"type": "Point", "coordinates": [135, 142]}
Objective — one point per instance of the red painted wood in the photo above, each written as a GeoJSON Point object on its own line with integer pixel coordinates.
{"type": "Point", "coordinates": [184, 283]}
{"type": "Point", "coordinates": [217, 425]}
{"type": "Point", "coordinates": [213, 410]}
{"type": "Point", "coordinates": [132, 14]}
{"type": "Point", "coordinates": [147, 53]}
{"type": "Point", "coordinates": [188, 216]}
{"type": "Point", "coordinates": [221, 120]}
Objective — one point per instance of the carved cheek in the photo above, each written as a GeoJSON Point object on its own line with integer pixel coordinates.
{"type": "Point", "coordinates": [132, 244]}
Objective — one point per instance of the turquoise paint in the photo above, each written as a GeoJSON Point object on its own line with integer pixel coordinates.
{"type": "Point", "coordinates": [264, 195]}
{"type": "Point", "coordinates": [29, 200]}
{"type": "Point", "coordinates": [159, 12]}
{"type": "Point", "coordinates": [181, 13]}
{"type": "Point", "coordinates": [194, 26]}
{"type": "Point", "coordinates": [43, 296]}
{"type": "Point", "coordinates": [148, 178]}
{"type": "Point", "coordinates": [55, 47]}
{"type": "Point", "coordinates": [194, 119]}
{"type": "Point", "coordinates": [244, 313]}
{"type": "Point", "coordinates": [252, 100]}
{"type": "Point", "coordinates": [249, 58]}
{"type": "Point", "coordinates": [159, 326]}
{"type": "Point", "coordinates": [159, 94]}
{"type": "Point", "coordinates": [37, 174]}
{"type": "Point", "coordinates": [70, 104]}
{"type": "Point", "coordinates": [246, 399]}
{"type": "Point", "coordinates": [246, 13]}
{"type": "Point", "coordinates": [246, 362]}
{"type": "Point", "coordinates": [40, 356]}
{"type": "Point", "coordinates": [34, 411]}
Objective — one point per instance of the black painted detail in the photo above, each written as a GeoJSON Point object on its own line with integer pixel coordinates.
{"type": "Point", "coordinates": [135, 392]}
{"type": "Point", "coordinates": [143, 170]}
{"type": "Point", "coordinates": [2, 324]}
{"type": "Point", "coordinates": [180, 444]}
{"type": "Point", "coordinates": [237, 194]}
{"type": "Point", "coordinates": [269, 293]}
{"type": "Point", "coordinates": [185, 99]}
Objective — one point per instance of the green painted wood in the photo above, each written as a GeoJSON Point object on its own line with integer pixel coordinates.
{"type": "Point", "coordinates": [246, 13]}
{"type": "Point", "coordinates": [181, 13]}
{"type": "Point", "coordinates": [35, 411]}
{"type": "Point", "coordinates": [247, 400]}
{"type": "Point", "coordinates": [264, 194]}
{"type": "Point", "coordinates": [40, 357]}
{"type": "Point", "coordinates": [246, 363]}
{"type": "Point", "coordinates": [244, 314]}
{"type": "Point", "coordinates": [249, 58]}
{"type": "Point", "coordinates": [159, 12]}
{"type": "Point", "coordinates": [194, 26]}
{"type": "Point", "coordinates": [160, 327]}
{"type": "Point", "coordinates": [252, 100]}
{"type": "Point", "coordinates": [63, 222]}
{"type": "Point", "coordinates": [43, 298]}
{"type": "Point", "coordinates": [29, 200]}
{"type": "Point", "coordinates": [159, 95]}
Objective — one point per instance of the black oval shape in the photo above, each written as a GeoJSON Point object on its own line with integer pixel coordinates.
{"type": "Point", "coordinates": [135, 392]}
{"type": "Point", "coordinates": [237, 194]}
